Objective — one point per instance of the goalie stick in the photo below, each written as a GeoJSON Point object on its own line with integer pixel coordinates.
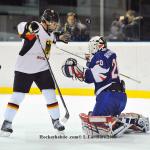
{"type": "Point", "coordinates": [67, 115]}
{"type": "Point", "coordinates": [137, 81]}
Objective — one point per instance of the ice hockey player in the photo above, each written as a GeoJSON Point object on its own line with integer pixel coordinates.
{"type": "Point", "coordinates": [31, 66]}
{"type": "Point", "coordinates": [109, 90]}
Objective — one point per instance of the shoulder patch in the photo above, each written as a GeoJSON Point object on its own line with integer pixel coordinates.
{"type": "Point", "coordinates": [108, 54]}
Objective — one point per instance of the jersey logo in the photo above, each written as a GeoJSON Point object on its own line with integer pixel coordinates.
{"type": "Point", "coordinates": [48, 48]}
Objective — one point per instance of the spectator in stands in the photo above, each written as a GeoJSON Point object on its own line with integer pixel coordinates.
{"type": "Point", "coordinates": [77, 29]}
{"type": "Point", "coordinates": [126, 27]}
{"type": "Point", "coordinates": [116, 31]}
{"type": "Point", "coordinates": [131, 25]}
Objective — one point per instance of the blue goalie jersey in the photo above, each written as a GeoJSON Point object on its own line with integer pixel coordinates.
{"type": "Point", "coordinates": [103, 70]}
{"type": "Point", "coordinates": [110, 95]}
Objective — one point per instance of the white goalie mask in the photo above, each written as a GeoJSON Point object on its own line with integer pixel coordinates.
{"type": "Point", "coordinates": [96, 43]}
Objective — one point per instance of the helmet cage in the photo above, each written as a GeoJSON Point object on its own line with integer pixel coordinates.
{"type": "Point", "coordinates": [96, 43]}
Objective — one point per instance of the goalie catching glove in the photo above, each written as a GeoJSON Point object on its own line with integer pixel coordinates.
{"type": "Point", "coordinates": [72, 69]}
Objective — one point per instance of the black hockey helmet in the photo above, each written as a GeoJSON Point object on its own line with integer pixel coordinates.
{"type": "Point", "coordinates": [50, 15]}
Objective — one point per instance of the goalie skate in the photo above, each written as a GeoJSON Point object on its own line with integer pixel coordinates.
{"type": "Point", "coordinates": [6, 129]}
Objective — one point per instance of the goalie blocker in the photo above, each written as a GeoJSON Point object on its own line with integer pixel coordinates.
{"type": "Point", "coordinates": [108, 126]}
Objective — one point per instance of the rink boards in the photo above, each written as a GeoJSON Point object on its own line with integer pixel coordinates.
{"type": "Point", "coordinates": [133, 60]}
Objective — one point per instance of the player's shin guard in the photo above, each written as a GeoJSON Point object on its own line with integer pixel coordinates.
{"type": "Point", "coordinates": [102, 126]}
{"type": "Point", "coordinates": [11, 110]}
{"type": "Point", "coordinates": [53, 110]}
{"type": "Point", "coordinates": [137, 122]}
{"type": "Point", "coordinates": [13, 106]}
{"type": "Point", "coordinates": [52, 103]}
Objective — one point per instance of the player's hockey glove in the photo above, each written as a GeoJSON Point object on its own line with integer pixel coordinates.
{"type": "Point", "coordinates": [72, 69]}
{"type": "Point", "coordinates": [33, 27]}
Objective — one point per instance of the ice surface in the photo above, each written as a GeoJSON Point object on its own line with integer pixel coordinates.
{"type": "Point", "coordinates": [32, 120]}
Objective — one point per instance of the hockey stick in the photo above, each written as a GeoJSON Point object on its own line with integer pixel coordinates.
{"type": "Point", "coordinates": [137, 81]}
{"type": "Point", "coordinates": [66, 117]}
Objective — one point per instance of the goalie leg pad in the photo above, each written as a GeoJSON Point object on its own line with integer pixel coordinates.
{"type": "Point", "coordinates": [92, 128]}
{"type": "Point", "coordinates": [138, 122]}
{"type": "Point", "coordinates": [102, 126]}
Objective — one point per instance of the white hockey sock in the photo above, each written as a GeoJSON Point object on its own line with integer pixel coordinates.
{"type": "Point", "coordinates": [13, 106]}
{"type": "Point", "coordinates": [52, 103]}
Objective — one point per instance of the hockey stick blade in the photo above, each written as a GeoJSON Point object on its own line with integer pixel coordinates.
{"type": "Point", "coordinates": [66, 117]}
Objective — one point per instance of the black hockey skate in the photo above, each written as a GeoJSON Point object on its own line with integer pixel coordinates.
{"type": "Point", "coordinates": [57, 125]}
{"type": "Point", "coordinates": [6, 128]}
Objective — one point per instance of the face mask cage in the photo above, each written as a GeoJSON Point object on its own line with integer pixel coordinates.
{"type": "Point", "coordinates": [95, 44]}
